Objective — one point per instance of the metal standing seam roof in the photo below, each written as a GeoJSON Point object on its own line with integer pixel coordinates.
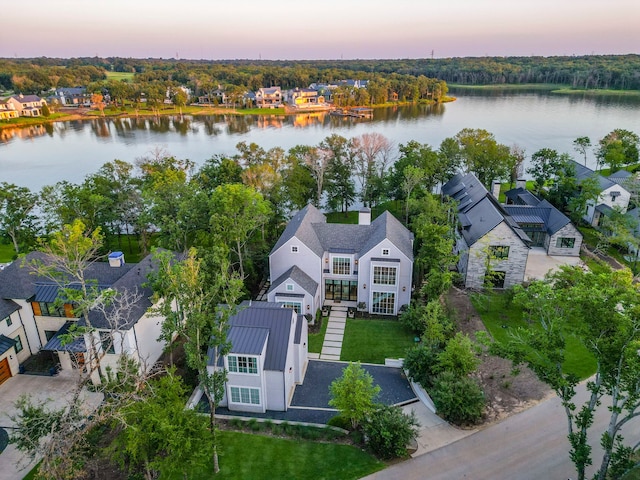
{"type": "Point", "coordinates": [247, 340]}
{"type": "Point", "coordinates": [583, 173]}
{"type": "Point", "coordinates": [278, 321]}
{"type": "Point", "coordinates": [56, 344]}
{"type": "Point", "coordinates": [300, 320]}
{"type": "Point", "coordinates": [6, 343]}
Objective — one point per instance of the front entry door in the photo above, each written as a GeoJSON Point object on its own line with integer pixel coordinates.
{"type": "Point", "coordinates": [338, 290]}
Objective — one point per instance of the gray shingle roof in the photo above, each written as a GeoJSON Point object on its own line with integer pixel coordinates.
{"type": "Point", "coordinates": [278, 321]}
{"type": "Point", "coordinates": [300, 226]}
{"type": "Point", "coordinates": [583, 173]}
{"type": "Point", "coordinates": [294, 273]}
{"type": "Point", "coordinates": [310, 226]}
{"type": "Point", "coordinates": [7, 307]}
{"type": "Point", "coordinates": [480, 211]}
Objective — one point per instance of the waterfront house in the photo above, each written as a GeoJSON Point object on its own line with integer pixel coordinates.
{"type": "Point", "coordinates": [369, 265]}
{"type": "Point", "coordinates": [269, 97]}
{"type": "Point", "coordinates": [27, 105]}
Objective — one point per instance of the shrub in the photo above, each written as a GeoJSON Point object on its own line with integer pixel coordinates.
{"type": "Point", "coordinates": [459, 356]}
{"type": "Point", "coordinates": [388, 431]}
{"type": "Point", "coordinates": [340, 422]}
{"type": "Point", "coordinates": [421, 363]}
{"type": "Point", "coordinates": [459, 400]}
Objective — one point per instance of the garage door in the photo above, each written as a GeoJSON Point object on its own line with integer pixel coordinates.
{"type": "Point", "coordinates": [5, 371]}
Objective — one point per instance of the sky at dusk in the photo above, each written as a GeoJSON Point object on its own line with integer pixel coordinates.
{"type": "Point", "coordinates": [330, 29]}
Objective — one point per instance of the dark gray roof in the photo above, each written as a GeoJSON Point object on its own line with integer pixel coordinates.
{"type": "Point", "coordinates": [247, 340]}
{"type": "Point", "coordinates": [522, 196]}
{"type": "Point", "coordinates": [135, 282]}
{"type": "Point", "coordinates": [56, 343]}
{"type": "Point", "coordinates": [310, 226]}
{"type": "Point", "coordinates": [26, 98]}
{"type": "Point", "coordinates": [620, 177]}
{"type": "Point", "coordinates": [300, 226]}
{"type": "Point", "coordinates": [583, 172]}
{"type": "Point", "coordinates": [544, 213]}
{"type": "Point", "coordinates": [278, 321]}
{"type": "Point", "coordinates": [7, 307]}
{"type": "Point", "coordinates": [478, 211]}
{"type": "Point", "coordinates": [604, 209]}
{"type": "Point", "coordinates": [256, 304]}
{"type": "Point", "coordinates": [305, 281]}
{"type": "Point", "coordinates": [6, 343]}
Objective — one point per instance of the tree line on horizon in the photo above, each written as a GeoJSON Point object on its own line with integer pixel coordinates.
{"type": "Point", "coordinates": [588, 71]}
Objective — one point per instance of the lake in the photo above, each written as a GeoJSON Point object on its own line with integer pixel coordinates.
{"type": "Point", "coordinates": [38, 156]}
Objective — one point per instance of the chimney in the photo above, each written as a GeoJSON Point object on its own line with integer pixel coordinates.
{"type": "Point", "coordinates": [116, 259]}
{"type": "Point", "coordinates": [495, 188]}
{"type": "Point", "coordinates": [364, 216]}
{"type": "Point", "coordinates": [521, 183]}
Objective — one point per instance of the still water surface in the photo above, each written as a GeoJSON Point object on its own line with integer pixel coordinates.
{"type": "Point", "coordinates": [39, 156]}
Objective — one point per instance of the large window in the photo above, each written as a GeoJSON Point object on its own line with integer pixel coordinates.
{"type": "Point", "coordinates": [249, 396]}
{"type": "Point", "coordinates": [238, 364]}
{"type": "Point", "coordinates": [383, 303]}
{"type": "Point", "coordinates": [48, 309]}
{"type": "Point", "coordinates": [384, 275]}
{"type": "Point", "coordinates": [565, 242]}
{"type": "Point", "coordinates": [499, 251]}
{"type": "Point", "coordinates": [297, 306]}
{"type": "Point", "coordinates": [341, 266]}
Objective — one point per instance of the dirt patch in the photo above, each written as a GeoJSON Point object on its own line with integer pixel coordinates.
{"type": "Point", "coordinates": [506, 393]}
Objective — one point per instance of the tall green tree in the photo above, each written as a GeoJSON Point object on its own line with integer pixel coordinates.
{"type": "Point", "coordinates": [17, 220]}
{"type": "Point", "coordinates": [238, 212]}
{"type": "Point", "coordinates": [483, 155]}
{"type": "Point", "coordinates": [601, 310]}
{"type": "Point", "coordinates": [354, 393]}
{"type": "Point", "coordinates": [580, 145]}
{"type": "Point", "coordinates": [618, 148]}
{"type": "Point", "coordinates": [205, 304]}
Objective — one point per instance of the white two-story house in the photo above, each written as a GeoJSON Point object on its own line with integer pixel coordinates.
{"type": "Point", "coordinates": [268, 357]}
{"type": "Point", "coordinates": [369, 265]}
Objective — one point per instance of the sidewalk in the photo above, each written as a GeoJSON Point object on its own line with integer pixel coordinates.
{"type": "Point", "coordinates": [332, 346]}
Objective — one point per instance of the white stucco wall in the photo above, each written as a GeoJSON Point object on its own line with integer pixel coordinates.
{"type": "Point", "coordinates": [404, 274]}
{"type": "Point", "coordinates": [29, 323]}
{"type": "Point", "coordinates": [146, 332]}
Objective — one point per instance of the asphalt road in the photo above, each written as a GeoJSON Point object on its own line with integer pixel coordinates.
{"type": "Point", "coordinates": [530, 445]}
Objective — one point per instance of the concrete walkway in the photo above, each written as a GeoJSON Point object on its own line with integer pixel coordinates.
{"type": "Point", "coordinates": [332, 345]}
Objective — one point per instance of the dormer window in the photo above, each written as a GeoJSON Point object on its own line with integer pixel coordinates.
{"type": "Point", "coordinates": [294, 248]}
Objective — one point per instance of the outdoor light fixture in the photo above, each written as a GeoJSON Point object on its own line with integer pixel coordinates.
{"type": "Point", "coordinates": [364, 286]}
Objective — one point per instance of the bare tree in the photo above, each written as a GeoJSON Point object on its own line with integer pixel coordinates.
{"type": "Point", "coordinates": [372, 155]}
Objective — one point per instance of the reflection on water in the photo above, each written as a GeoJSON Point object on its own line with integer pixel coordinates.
{"type": "Point", "coordinates": [126, 128]}
{"type": "Point", "coordinates": [533, 119]}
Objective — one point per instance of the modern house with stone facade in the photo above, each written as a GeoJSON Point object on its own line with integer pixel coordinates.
{"type": "Point", "coordinates": [492, 247]}
{"type": "Point", "coordinates": [369, 265]}
{"type": "Point", "coordinates": [268, 357]}
{"type": "Point", "coordinates": [499, 238]}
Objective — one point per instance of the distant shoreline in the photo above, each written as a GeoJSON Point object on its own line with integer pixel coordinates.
{"type": "Point", "coordinates": [67, 114]}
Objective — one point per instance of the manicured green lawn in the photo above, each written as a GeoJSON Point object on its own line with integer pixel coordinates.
{"type": "Point", "coordinates": [370, 340]}
{"type": "Point", "coordinates": [127, 244]}
{"type": "Point", "coordinates": [395, 207]}
{"type": "Point", "coordinates": [501, 318]}
{"type": "Point", "coordinates": [316, 339]}
{"type": "Point", "coordinates": [6, 252]}
{"type": "Point", "coordinates": [258, 457]}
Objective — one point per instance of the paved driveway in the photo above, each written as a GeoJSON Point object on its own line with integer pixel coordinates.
{"type": "Point", "coordinates": [37, 388]}
{"type": "Point", "coordinates": [314, 392]}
